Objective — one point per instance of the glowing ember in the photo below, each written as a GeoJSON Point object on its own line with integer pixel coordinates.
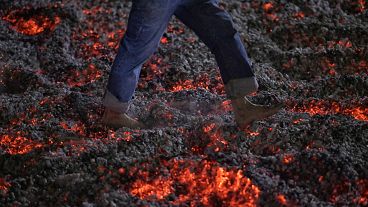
{"type": "Point", "coordinates": [88, 75]}
{"type": "Point", "coordinates": [159, 188]}
{"type": "Point", "coordinates": [361, 5]}
{"type": "Point", "coordinates": [216, 139]}
{"type": "Point", "coordinates": [297, 121]}
{"type": "Point", "coordinates": [76, 147]}
{"type": "Point", "coordinates": [251, 133]}
{"type": "Point", "coordinates": [267, 6]}
{"type": "Point", "coordinates": [299, 15]}
{"type": "Point", "coordinates": [164, 40]}
{"type": "Point", "coordinates": [272, 17]}
{"type": "Point", "coordinates": [183, 85]}
{"type": "Point", "coordinates": [362, 199]}
{"type": "Point", "coordinates": [287, 159]}
{"type": "Point", "coordinates": [342, 189]}
{"type": "Point", "coordinates": [343, 43]}
{"type": "Point", "coordinates": [17, 144]}
{"type": "Point", "coordinates": [361, 66]}
{"type": "Point", "coordinates": [281, 198]}
{"type": "Point", "coordinates": [127, 136]}
{"type": "Point", "coordinates": [203, 81]}
{"type": "Point", "coordinates": [23, 21]}
{"type": "Point", "coordinates": [323, 108]}
{"type": "Point", "coordinates": [77, 128]}
{"type": "Point", "coordinates": [155, 68]}
{"type": "Point", "coordinates": [197, 184]}
{"type": "Point", "coordinates": [95, 39]}
{"type": "Point", "coordinates": [359, 113]}
{"type": "Point", "coordinates": [168, 115]}
{"type": "Point", "coordinates": [4, 186]}
{"type": "Point", "coordinates": [226, 105]}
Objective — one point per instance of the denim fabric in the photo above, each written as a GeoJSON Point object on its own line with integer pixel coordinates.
{"type": "Point", "coordinates": [147, 22]}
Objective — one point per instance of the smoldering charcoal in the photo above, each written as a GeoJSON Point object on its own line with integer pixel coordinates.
{"type": "Point", "coordinates": [55, 61]}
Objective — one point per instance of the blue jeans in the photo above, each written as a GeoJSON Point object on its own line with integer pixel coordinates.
{"type": "Point", "coordinates": [147, 22]}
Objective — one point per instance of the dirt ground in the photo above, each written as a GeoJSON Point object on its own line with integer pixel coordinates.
{"type": "Point", "coordinates": [55, 57]}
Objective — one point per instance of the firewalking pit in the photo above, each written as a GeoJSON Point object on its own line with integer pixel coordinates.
{"type": "Point", "coordinates": [55, 57]}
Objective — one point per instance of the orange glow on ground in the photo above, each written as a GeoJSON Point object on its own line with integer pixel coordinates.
{"type": "Point", "coordinates": [281, 198]}
{"type": "Point", "coordinates": [362, 199]}
{"type": "Point", "coordinates": [287, 159]}
{"type": "Point", "coordinates": [33, 25]}
{"type": "Point", "coordinates": [15, 145]}
{"type": "Point", "coordinates": [77, 128]}
{"type": "Point", "coordinates": [299, 15]}
{"type": "Point", "coordinates": [361, 5]}
{"type": "Point", "coordinates": [321, 107]}
{"type": "Point", "coordinates": [216, 139]}
{"type": "Point", "coordinates": [226, 106]}
{"type": "Point", "coordinates": [252, 133]}
{"type": "Point", "coordinates": [4, 186]}
{"type": "Point", "coordinates": [197, 184]}
{"type": "Point", "coordinates": [267, 6]}
{"type": "Point", "coordinates": [342, 188]}
{"type": "Point", "coordinates": [88, 75]}
{"type": "Point", "coordinates": [204, 81]}
{"type": "Point", "coordinates": [164, 40]}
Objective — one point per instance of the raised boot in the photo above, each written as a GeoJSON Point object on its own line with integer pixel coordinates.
{"type": "Point", "coordinates": [246, 112]}
{"type": "Point", "coordinates": [117, 120]}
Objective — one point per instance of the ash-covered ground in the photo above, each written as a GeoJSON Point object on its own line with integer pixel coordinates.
{"type": "Point", "coordinates": [55, 58]}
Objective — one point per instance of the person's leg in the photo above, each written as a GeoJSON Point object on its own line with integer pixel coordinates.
{"type": "Point", "coordinates": [146, 24]}
{"type": "Point", "coordinates": [215, 28]}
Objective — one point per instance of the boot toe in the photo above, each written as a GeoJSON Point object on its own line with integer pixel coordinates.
{"type": "Point", "coordinates": [122, 120]}
{"type": "Point", "coordinates": [259, 112]}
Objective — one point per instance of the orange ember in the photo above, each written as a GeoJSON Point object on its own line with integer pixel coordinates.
{"type": "Point", "coordinates": [251, 133]}
{"type": "Point", "coordinates": [361, 5]}
{"type": "Point", "coordinates": [359, 113]}
{"type": "Point", "coordinates": [216, 139]}
{"type": "Point", "coordinates": [281, 198]}
{"type": "Point", "coordinates": [226, 106]}
{"type": "Point", "coordinates": [267, 6]}
{"type": "Point", "coordinates": [197, 184]}
{"type": "Point", "coordinates": [78, 128]}
{"type": "Point", "coordinates": [127, 136]}
{"type": "Point", "coordinates": [164, 40]}
{"type": "Point", "coordinates": [342, 189]}
{"type": "Point", "coordinates": [95, 38]}
{"type": "Point", "coordinates": [4, 186]}
{"type": "Point", "coordinates": [183, 85]}
{"type": "Point", "coordinates": [346, 43]}
{"type": "Point", "coordinates": [204, 81]}
{"type": "Point", "coordinates": [362, 199]}
{"type": "Point", "coordinates": [297, 121]}
{"type": "Point", "coordinates": [34, 25]}
{"type": "Point", "coordinates": [159, 188]}
{"type": "Point", "coordinates": [320, 179]}
{"type": "Point", "coordinates": [299, 15]}
{"type": "Point", "coordinates": [88, 75]}
{"type": "Point", "coordinates": [315, 107]}
{"type": "Point", "coordinates": [272, 17]}
{"type": "Point", "coordinates": [17, 144]}
{"type": "Point", "coordinates": [287, 159]}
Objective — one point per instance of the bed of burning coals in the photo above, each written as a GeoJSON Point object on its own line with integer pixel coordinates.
{"type": "Point", "coordinates": [55, 57]}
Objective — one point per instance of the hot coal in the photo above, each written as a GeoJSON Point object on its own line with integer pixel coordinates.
{"type": "Point", "coordinates": [55, 58]}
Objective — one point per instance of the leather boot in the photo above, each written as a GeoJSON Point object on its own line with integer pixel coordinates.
{"type": "Point", "coordinates": [246, 112]}
{"type": "Point", "coordinates": [117, 120]}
